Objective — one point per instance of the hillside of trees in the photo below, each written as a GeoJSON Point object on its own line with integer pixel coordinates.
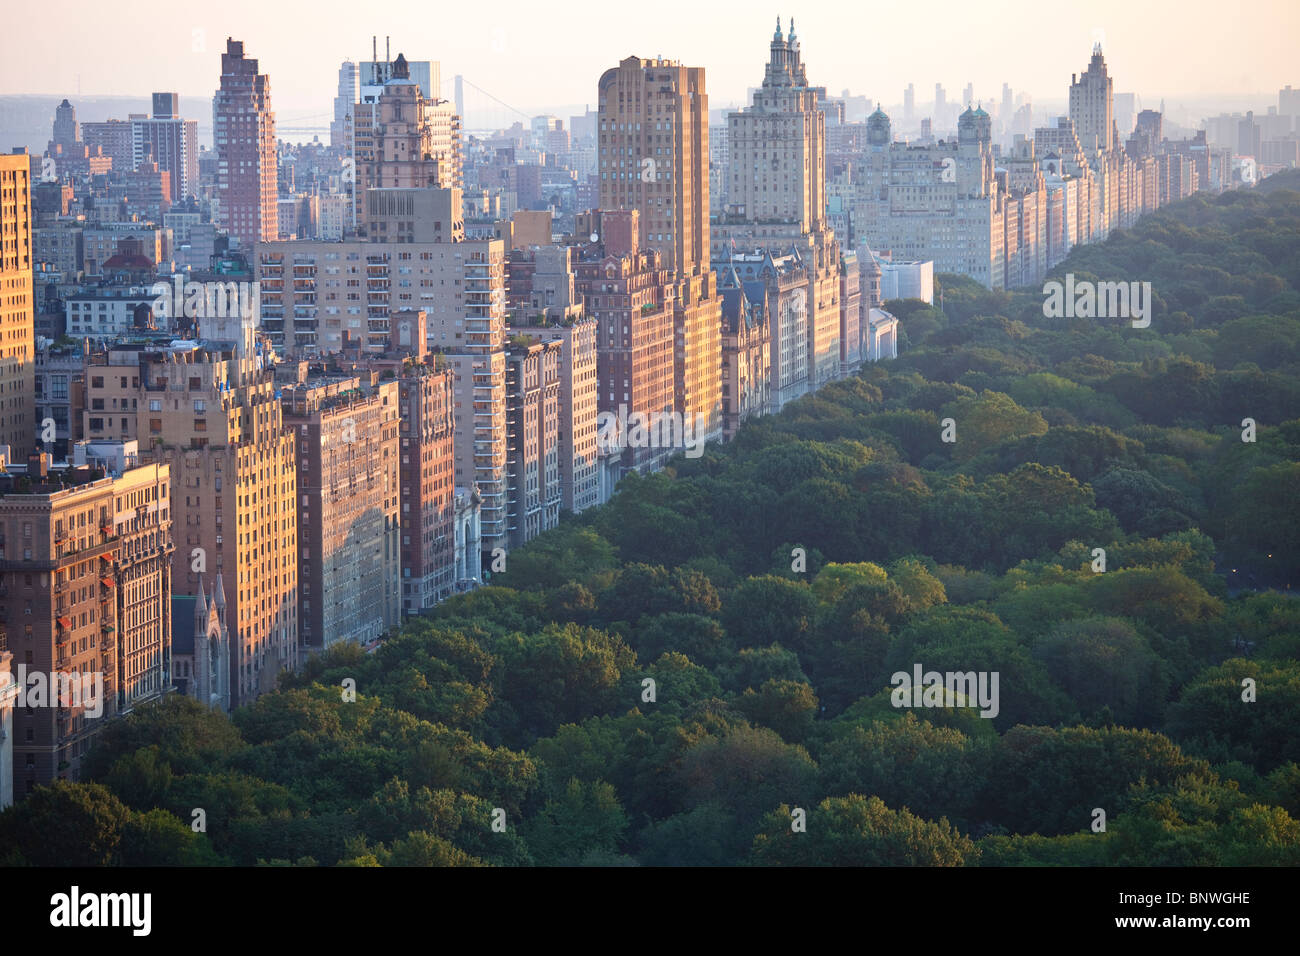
{"type": "Point", "coordinates": [770, 589]}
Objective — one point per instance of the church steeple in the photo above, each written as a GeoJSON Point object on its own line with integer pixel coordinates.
{"type": "Point", "coordinates": [200, 611]}
{"type": "Point", "coordinates": [219, 599]}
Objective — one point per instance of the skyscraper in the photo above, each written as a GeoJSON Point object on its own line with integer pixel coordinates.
{"type": "Point", "coordinates": [654, 156]}
{"type": "Point", "coordinates": [349, 561]}
{"type": "Point", "coordinates": [427, 429]}
{"type": "Point", "coordinates": [777, 205]}
{"type": "Point", "coordinates": [210, 411]}
{"type": "Point", "coordinates": [777, 146]}
{"type": "Point", "coordinates": [403, 140]}
{"type": "Point", "coordinates": [1092, 105]}
{"type": "Point", "coordinates": [66, 132]}
{"type": "Point", "coordinates": [171, 142]}
{"type": "Point", "coordinates": [17, 321]}
{"type": "Point", "coordinates": [426, 73]}
{"type": "Point", "coordinates": [244, 134]}
{"type": "Point", "coordinates": [344, 106]}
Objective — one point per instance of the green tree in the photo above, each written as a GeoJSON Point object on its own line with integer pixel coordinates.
{"type": "Point", "coordinates": [860, 831]}
{"type": "Point", "coordinates": [65, 824]}
{"type": "Point", "coordinates": [583, 818]}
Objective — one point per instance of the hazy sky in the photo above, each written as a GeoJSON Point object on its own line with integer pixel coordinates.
{"type": "Point", "coordinates": [531, 55]}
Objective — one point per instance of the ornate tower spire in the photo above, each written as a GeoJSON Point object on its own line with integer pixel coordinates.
{"type": "Point", "coordinates": [219, 599]}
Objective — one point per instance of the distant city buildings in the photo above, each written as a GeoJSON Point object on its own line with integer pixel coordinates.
{"type": "Point", "coordinates": [1005, 215]}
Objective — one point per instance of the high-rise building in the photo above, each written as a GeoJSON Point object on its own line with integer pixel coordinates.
{"type": "Point", "coordinates": [1092, 105]}
{"type": "Point", "coordinates": [777, 146]}
{"type": "Point", "coordinates": [629, 293]}
{"type": "Point", "coordinates": [542, 293]}
{"type": "Point", "coordinates": [1288, 102]}
{"type": "Point", "coordinates": [315, 295]}
{"type": "Point", "coordinates": [1148, 135]}
{"type": "Point", "coordinates": [533, 493]}
{"type": "Point", "coordinates": [349, 557]}
{"type": "Point", "coordinates": [851, 312]}
{"type": "Point", "coordinates": [328, 294]}
{"type": "Point", "coordinates": [778, 203]}
{"type": "Point", "coordinates": [909, 105]}
{"type": "Point", "coordinates": [374, 73]}
{"type": "Point", "coordinates": [1126, 111]}
{"type": "Point", "coordinates": [74, 158]}
{"type": "Point", "coordinates": [427, 430]}
{"type": "Point", "coordinates": [210, 411]}
{"type": "Point", "coordinates": [18, 425]}
{"type": "Point", "coordinates": [170, 141]}
{"type": "Point", "coordinates": [937, 202]}
{"type": "Point", "coordinates": [59, 550]}
{"type": "Point", "coordinates": [345, 104]}
{"type": "Point", "coordinates": [66, 132]}
{"type": "Point", "coordinates": [654, 156]}
{"type": "Point", "coordinates": [404, 140]}
{"type": "Point", "coordinates": [244, 133]}
{"type": "Point", "coordinates": [84, 586]}
{"type": "Point", "coordinates": [142, 524]}
{"type": "Point", "coordinates": [719, 168]}
{"type": "Point", "coordinates": [112, 139]}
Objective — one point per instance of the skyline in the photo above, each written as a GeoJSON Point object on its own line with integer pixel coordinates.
{"type": "Point", "coordinates": [1146, 49]}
